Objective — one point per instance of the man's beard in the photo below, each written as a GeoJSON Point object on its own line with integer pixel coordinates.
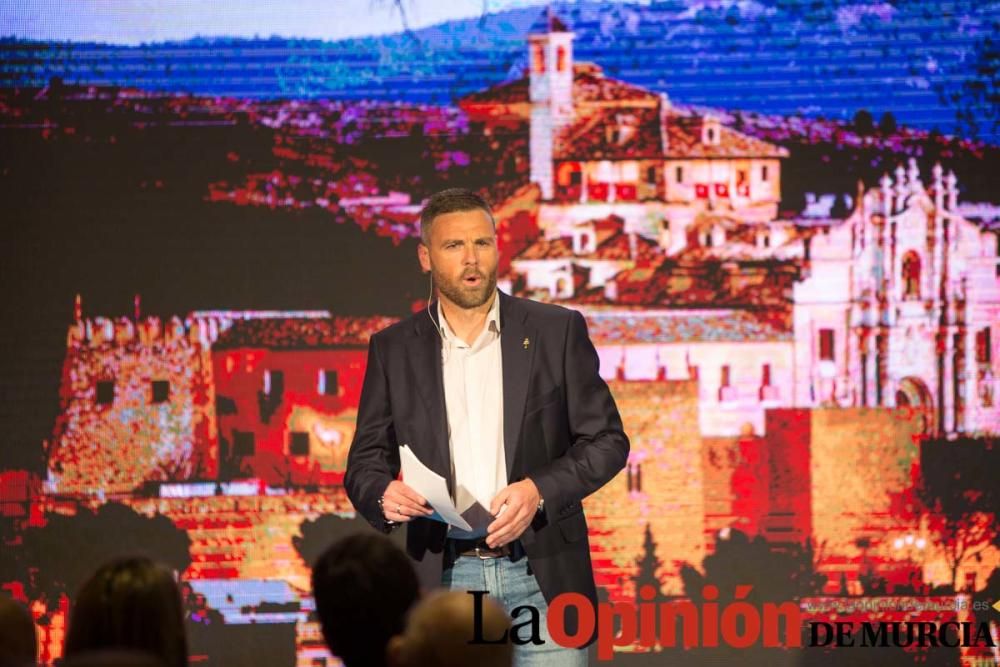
{"type": "Point", "coordinates": [463, 296]}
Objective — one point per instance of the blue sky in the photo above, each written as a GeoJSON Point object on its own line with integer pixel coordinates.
{"type": "Point", "coordinates": [138, 21]}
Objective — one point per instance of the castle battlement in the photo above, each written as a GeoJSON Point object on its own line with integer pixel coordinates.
{"type": "Point", "coordinates": [103, 332]}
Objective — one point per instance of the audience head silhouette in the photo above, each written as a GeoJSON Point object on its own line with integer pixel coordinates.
{"type": "Point", "coordinates": [439, 630]}
{"type": "Point", "coordinates": [17, 634]}
{"type": "Point", "coordinates": [129, 604]}
{"type": "Point", "coordinates": [363, 585]}
{"type": "Point", "coordinates": [114, 658]}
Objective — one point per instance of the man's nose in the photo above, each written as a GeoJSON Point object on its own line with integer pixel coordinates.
{"type": "Point", "coordinates": [471, 256]}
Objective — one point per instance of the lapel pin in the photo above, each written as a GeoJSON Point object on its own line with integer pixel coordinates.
{"type": "Point", "coordinates": [526, 343]}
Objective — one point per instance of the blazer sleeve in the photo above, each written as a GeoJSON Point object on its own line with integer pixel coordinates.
{"type": "Point", "coordinates": [373, 461]}
{"type": "Point", "coordinates": [598, 444]}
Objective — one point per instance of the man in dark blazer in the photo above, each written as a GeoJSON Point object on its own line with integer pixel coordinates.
{"type": "Point", "coordinates": [559, 434]}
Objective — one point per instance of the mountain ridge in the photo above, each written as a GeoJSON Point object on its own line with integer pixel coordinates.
{"type": "Point", "coordinates": [927, 63]}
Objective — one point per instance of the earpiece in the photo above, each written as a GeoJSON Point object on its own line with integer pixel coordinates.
{"type": "Point", "coordinates": [430, 295]}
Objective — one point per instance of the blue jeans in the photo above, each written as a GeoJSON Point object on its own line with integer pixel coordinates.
{"type": "Point", "coordinates": [512, 585]}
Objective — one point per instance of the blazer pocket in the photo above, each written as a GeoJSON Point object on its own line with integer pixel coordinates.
{"type": "Point", "coordinates": [573, 527]}
{"type": "Point", "coordinates": [539, 401]}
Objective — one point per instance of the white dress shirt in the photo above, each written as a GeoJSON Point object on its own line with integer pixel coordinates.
{"type": "Point", "coordinates": [473, 391]}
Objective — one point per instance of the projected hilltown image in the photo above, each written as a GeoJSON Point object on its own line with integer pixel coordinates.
{"type": "Point", "coordinates": [780, 220]}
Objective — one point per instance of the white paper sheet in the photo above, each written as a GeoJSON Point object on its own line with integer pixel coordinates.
{"type": "Point", "coordinates": [432, 487]}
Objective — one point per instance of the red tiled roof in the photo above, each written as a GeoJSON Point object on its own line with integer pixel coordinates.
{"type": "Point", "coordinates": [691, 282]}
{"type": "Point", "coordinates": [612, 134]}
{"type": "Point", "coordinates": [684, 141]}
{"type": "Point", "coordinates": [506, 92]}
{"type": "Point", "coordinates": [560, 248]}
{"type": "Point", "coordinates": [742, 252]}
{"type": "Point", "coordinates": [618, 247]}
{"type": "Point", "coordinates": [603, 105]}
{"type": "Point", "coordinates": [612, 244]}
{"type": "Point", "coordinates": [590, 86]}
{"type": "Point", "coordinates": [629, 133]}
{"type": "Point", "coordinates": [685, 326]}
{"type": "Point", "coordinates": [608, 226]}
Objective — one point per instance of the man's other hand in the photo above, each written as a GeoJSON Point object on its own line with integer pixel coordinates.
{"type": "Point", "coordinates": [514, 508]}
{"type": "Point", "coordinates": [400, 503]}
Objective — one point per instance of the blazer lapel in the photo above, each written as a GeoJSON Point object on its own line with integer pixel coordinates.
{"type": "Point", "coordinates": [425, 356]}
{"type": "Point", "coordinates": [517, 345]}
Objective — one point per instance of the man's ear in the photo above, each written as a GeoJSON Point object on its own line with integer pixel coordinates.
{"type": "Point", "coordinates": [424, 255]}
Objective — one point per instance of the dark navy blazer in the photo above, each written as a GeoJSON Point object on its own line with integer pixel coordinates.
{"type": "Point", "coordinates": [561, 429]}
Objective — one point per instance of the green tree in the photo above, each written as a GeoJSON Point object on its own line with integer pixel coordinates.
{"type": "Point", "coordinates": [319, 533]}
{"type": "Point", "coordinates": [863, 123]}
{"type": "Point", "coordinates": [777, 573]}
{"type": "Point", "coordinates": [887, 123]}
{"type": "Point", "coordinates": [648, 564]}
{"type": "Point", "coordinates": [58, 557]}
{"type": "Point", "coordinates": [959, 497]}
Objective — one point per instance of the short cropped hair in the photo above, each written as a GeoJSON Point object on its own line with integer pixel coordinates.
{"type": "Point", "coordinates": [363, 585]}
{"type": "Point", "coordinates": [451, 200]}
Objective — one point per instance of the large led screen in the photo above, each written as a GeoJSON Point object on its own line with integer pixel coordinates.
{"type": "Point", "coordinates": [779, 219]}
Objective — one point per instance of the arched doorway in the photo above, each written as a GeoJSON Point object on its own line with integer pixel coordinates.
{"type": "Point", "coordinates": [913, 393]}
{"type": "Point", "coordinates": [911, 276]}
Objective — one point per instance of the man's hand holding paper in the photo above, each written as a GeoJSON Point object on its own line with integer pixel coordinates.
{"type": "Point", "coordinates": [400, 503]}
{"type": "Point", "coordinates": [430, 487]}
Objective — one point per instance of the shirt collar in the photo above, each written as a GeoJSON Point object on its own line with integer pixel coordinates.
{"type": "Point", "coordinates": [492, 318]}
